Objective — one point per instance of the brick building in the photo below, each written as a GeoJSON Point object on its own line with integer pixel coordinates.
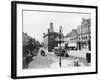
{"type": "Point", "coordinates": [50, 38]}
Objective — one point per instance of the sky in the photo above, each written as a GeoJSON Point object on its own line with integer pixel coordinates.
{"type": "Point", "coordinates": [35, 23]}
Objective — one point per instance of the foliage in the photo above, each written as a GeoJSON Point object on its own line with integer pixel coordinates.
{"type": "Point", "coordinates": [30, 49]}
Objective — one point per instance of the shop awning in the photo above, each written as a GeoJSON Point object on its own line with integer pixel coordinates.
{"type": "Point", "coordinates": [72, 44]}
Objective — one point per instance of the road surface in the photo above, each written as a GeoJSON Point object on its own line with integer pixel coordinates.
{"type": "Point", "coordinates": [52, 61]}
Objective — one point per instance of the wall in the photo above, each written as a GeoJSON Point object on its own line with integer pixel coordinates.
{"type": "Point", "coordinates": [46, 42]}
{"type": "Point", "coordinates": [5, 40]}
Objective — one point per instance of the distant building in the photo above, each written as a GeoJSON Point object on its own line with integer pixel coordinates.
{"type": "Point", "coordinates": [67, 38]}
{"type": "Point", "coordinates": [71, 37]}
{"type": "Point", "coordinates": [45, 41]}
{"type": "Point", "coordinates": [84, 34]}
{"type": "Point", "coordinates": [81, 36]}
{"type": "Point", "coordinates": [50, 38]}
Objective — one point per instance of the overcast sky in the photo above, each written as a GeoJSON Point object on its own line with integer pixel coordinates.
{"type": "Point", "coordinates": [35, 23]}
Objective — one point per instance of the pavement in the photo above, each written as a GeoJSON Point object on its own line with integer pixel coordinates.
{"type": "Point", "coordinates": [78, 53]}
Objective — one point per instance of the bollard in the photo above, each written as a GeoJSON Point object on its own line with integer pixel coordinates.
{"type": "Point", "coordinates": [76, 62]}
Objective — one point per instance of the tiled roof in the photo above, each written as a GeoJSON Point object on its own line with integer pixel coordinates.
{"type": "Point", "coordinates": [74, 31]}
{"type": "Point", "coordinates": [68, 35]}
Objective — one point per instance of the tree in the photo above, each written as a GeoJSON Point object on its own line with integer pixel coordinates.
{"type": "Point", "coordinates": [38, 43]}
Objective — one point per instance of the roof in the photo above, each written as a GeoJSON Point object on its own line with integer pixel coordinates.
{"type": "Point", "coordinates": [74, 31]}
{"type": "Point", "coordinates": [68, 35]}
{"type": "Point", "coordinates": [53, 33]}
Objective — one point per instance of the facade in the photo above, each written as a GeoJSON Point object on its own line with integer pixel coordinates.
{"type": "Point", "coordinates": [84, 34]}
{"type": "Point", "coordinates": [71, 37]}
{"type": "Point", "coordinates": [51, 41]}
{"type": "Point", "coordinates": [50, 38]}
{"type": "Point", "coordinates": [67, 38]}
{"type": "Point", "coordinates": [45, 41]}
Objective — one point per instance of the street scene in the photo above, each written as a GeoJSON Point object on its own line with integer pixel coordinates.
{"type": "Point", "coordinates": [65, 41]}
{"type": "Point", "coordinates": [52, 61]}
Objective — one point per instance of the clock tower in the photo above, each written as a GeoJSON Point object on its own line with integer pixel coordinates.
{"type": "Point", "coordinates": [51, 27]}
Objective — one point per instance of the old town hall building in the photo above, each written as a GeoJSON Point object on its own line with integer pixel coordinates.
{"type": "Point", "coordinates": [50, 38]}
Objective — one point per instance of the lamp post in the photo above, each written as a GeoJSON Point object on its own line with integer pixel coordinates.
{"type": "Point", "coordinates": [60, 30]}
{"type": "Point", "coordinates": [89, 36]}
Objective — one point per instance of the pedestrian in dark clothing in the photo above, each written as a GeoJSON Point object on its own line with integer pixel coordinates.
{"type": "Point", "coordinates": [42, 52]}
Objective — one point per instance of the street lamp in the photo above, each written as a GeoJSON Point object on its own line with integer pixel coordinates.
{"type": "Point", "coordinates": [60, 30]}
